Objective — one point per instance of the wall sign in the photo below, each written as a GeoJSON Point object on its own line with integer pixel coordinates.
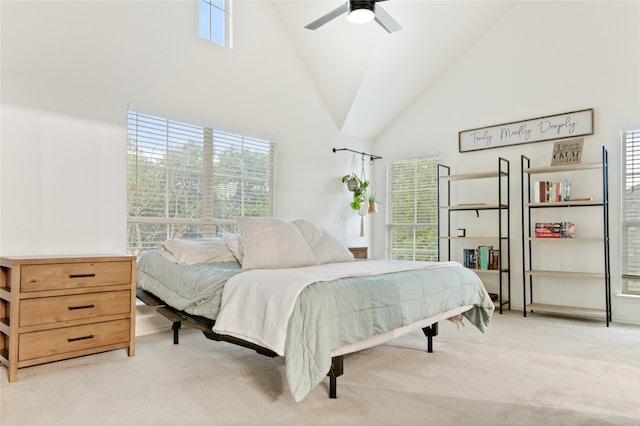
{"type": "Point", "coordinates": [567, 152]}
{"type": "Point", "coordinates": [550, 127]}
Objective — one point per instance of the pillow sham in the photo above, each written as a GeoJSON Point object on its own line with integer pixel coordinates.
{"type": "Point", "coordinates": [234, 242]}
{"type": "Point", "coordinates": [271, 243]}
{"type": "Point", "coordinates": [324, 246]}
{"type": "Point", "coordinates": [190, 251]}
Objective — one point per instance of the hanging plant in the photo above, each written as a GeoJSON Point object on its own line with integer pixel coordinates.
{"type": "Point", "coordinates": [359, 192]}
{"type": "Point", "coordinates": [373, 206]}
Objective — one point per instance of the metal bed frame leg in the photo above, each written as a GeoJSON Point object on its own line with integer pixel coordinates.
{"type": "Point", "coordinates": [430, 332]}
{"type": "Point", "coordinates": [176, 328]}
{"type": "Point", "coordinates": [335, 372]}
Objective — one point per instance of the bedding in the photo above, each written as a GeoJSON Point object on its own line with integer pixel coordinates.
{"type": "Point", "coordinates": [326, 306]}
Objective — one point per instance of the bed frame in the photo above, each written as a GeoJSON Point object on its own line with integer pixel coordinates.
{"type": "Point", "coordinates": [206, 326]}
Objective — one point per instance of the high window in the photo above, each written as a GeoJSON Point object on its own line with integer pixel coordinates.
{"type": "Point", "coordinates": [214, 21]}
{"type": "Point", "coordinates": [412, 209]}
{"type": "Point", "coordinates": [631, 212]}
{"type": "Point", "coordinates": [190, 181]}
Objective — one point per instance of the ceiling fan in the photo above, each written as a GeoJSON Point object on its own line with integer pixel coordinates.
{"type": "Point", "coordinates": [360, 11]}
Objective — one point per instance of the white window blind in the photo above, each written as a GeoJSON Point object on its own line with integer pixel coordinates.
{"type": "Point", "coordinates": [631, 213]}
{"type": "Point", "coordinates": [190, 181]}
{"type": "Point", "coordinates": [412, 212]}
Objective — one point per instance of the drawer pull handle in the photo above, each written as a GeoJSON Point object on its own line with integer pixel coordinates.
{"type": "Point", "coordinates": [82, 275]}
{"type": "Point", "coordinates": [75, 339]}
{"type": "Point", "coordinates": [73, 308]}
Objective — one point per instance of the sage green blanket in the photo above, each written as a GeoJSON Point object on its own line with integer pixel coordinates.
{"type": "Point", "coordinates": [195, 289]}
{"type": "Point", "coordinates": [329, 315]}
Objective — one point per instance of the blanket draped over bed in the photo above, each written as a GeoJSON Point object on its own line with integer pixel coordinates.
{"type": "Point", "coordinates": [329, 314]}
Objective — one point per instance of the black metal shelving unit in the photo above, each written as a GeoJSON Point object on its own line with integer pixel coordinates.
{"type": "Point", "coordinates": [528, 238]}
{"type": "Point", "coordinates": [501, 206]}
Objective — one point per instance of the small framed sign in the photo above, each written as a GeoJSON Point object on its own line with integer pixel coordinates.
{"type": "Point", "coordinates": [567, 152]}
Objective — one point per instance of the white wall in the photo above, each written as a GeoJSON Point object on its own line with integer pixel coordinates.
{"type": "Point", "coordinates": [69, 72]}
{"type": "Point", "coordinates": [542, 58]}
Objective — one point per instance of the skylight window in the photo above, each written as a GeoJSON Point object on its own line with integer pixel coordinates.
{"type": "Point", "coordinates": [213, 21]}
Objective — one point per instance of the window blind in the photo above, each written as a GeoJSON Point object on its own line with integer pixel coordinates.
{"type": "Point", "coordinates": [190, 181]}
{"type": "Point", "coordinates": [412, 219]}
{"type": "Point", "coordinates": [631, 213]}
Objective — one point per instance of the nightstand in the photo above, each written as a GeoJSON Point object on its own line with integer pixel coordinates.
{"type": "Point", "coordinates": [360, 252]}
{"type": "Point", "coordinates": [60, 307]}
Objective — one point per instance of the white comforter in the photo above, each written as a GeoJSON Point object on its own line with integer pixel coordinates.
{"type": "Point", "coordinates": [257, 304]}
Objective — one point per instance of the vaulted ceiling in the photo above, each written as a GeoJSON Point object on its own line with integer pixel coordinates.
{"type": "Point", "coordinates": [367, 76]}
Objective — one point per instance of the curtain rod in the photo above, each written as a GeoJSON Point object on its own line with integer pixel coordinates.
{"type": "Point", "coordinates": [364, 154]}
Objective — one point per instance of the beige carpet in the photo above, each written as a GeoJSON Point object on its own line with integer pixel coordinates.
{"type": "Point", "coordinates": [534, 370]}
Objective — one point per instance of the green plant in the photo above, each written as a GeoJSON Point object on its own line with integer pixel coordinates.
{"type": "Point", "coordinates": [359, 191]}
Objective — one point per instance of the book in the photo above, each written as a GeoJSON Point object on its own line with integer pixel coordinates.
{"type": "Point", "coordinates": [555, 230]}
{"type": "Point", "coordinates": [484, 257]}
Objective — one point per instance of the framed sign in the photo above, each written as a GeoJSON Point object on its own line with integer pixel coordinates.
{"type": "Point", "coordinates": [551, 127]}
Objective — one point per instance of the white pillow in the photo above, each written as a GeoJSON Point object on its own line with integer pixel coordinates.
{"type": "Point", "coordinates": [234, 242]}
{"type": "Point", "coordinates": [325, 246]}
{"type": "Point", "coordinates": [190, 251]}
{"type": "Point", "coordinates": [270, 243]}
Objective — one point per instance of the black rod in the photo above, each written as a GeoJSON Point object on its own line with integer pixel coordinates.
{"type": "Point", "coordinates": [364, 154]}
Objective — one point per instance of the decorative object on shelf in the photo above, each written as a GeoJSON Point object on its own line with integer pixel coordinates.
{"type": "Point", "coordinates": [567, 152]}
{"type": "Point", "coordinates": [547, 128]}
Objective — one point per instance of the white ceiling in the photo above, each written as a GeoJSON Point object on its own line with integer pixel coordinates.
{"type": "Point", "coordinates": [367, 76]}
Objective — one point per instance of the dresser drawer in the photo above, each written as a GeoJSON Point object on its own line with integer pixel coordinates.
{"type": "Point", "coordinates": [58, 276]}
{"type": "Point", "coordinates": [57, 341]}
{"type": "Point", "coordinates": [45, 310]}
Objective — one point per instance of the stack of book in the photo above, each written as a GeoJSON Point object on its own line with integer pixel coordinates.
{"type": "Point", "coordinates": [555, 230]}
{"type": "Point", "coordinates": [546, 192]}
{"type": "Point", "coordinates": [482, 257]}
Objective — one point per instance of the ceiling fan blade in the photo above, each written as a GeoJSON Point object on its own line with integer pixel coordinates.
{"type": "Point", "coordinates": [328, 17]}
{"type": "Point", "coordinates": [386, 21]}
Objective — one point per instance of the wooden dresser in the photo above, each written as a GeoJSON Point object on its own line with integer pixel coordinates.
{"type": "Point", "coordinates": [54, 308]}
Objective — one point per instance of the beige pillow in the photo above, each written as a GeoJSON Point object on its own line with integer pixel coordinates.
{"type": "Point", "coordinates": [271, 243]}
{"type": "Point", "coordinates": [234, 242]}
{"type": "Point", "coordinates": [325, 246]}
{"type": "Point", "coordinates": [189, 251]}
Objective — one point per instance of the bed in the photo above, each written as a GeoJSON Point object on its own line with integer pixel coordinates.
{"type": "Point", "coordinates": [308, 300]}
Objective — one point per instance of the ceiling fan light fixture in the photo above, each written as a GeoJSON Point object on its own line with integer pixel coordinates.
{"type": "Point", "coordinates": [361, 12]}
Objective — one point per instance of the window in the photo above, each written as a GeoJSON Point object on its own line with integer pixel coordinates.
{"type": "Point", "coordinates": [631, 212]}
{"type": "Point", "coordinates": [191, 181]}
{"type": "Point", "coordinates": [214, 21]}
{"type": "Point", "coordinates": [412, 213]}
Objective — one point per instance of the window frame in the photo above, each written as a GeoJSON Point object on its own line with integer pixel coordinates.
{"type": "Point", "coordinates": [421, 195]}
{"type": "Point", "coordinates": [143, 139]}
{"type": "Point", "coordinates": [208, 31]}
{"type": "Point", "coordinates": [630, 204]}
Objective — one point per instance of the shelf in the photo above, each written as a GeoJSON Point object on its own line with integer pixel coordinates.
{"type": "Point", "coordinates": [488, 271]}
{"type": "Point", "coordinates": [575, 203]}
{"type": "Point", "coordinates": [497, 206]}
{"type": "Point", "coordinates": [479, 206]}
{"type": "Point", "coordinates": [530, 214]}
{"type": "Point", "coordinates": [477, 175]}
{"type": "Point", "coordinates": [564, 274]}
{"type": "Point", "coordinates": [492, 237]}
{"type": "Point", "coordinates": [584, 239]}
{"type": "Point", "coordinates": [564, 168]}
{"type": "Point", "coordinates": [568, 310]}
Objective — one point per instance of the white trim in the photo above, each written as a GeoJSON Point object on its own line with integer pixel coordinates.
{"type": "Point", "coordinates": [628, 298]}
